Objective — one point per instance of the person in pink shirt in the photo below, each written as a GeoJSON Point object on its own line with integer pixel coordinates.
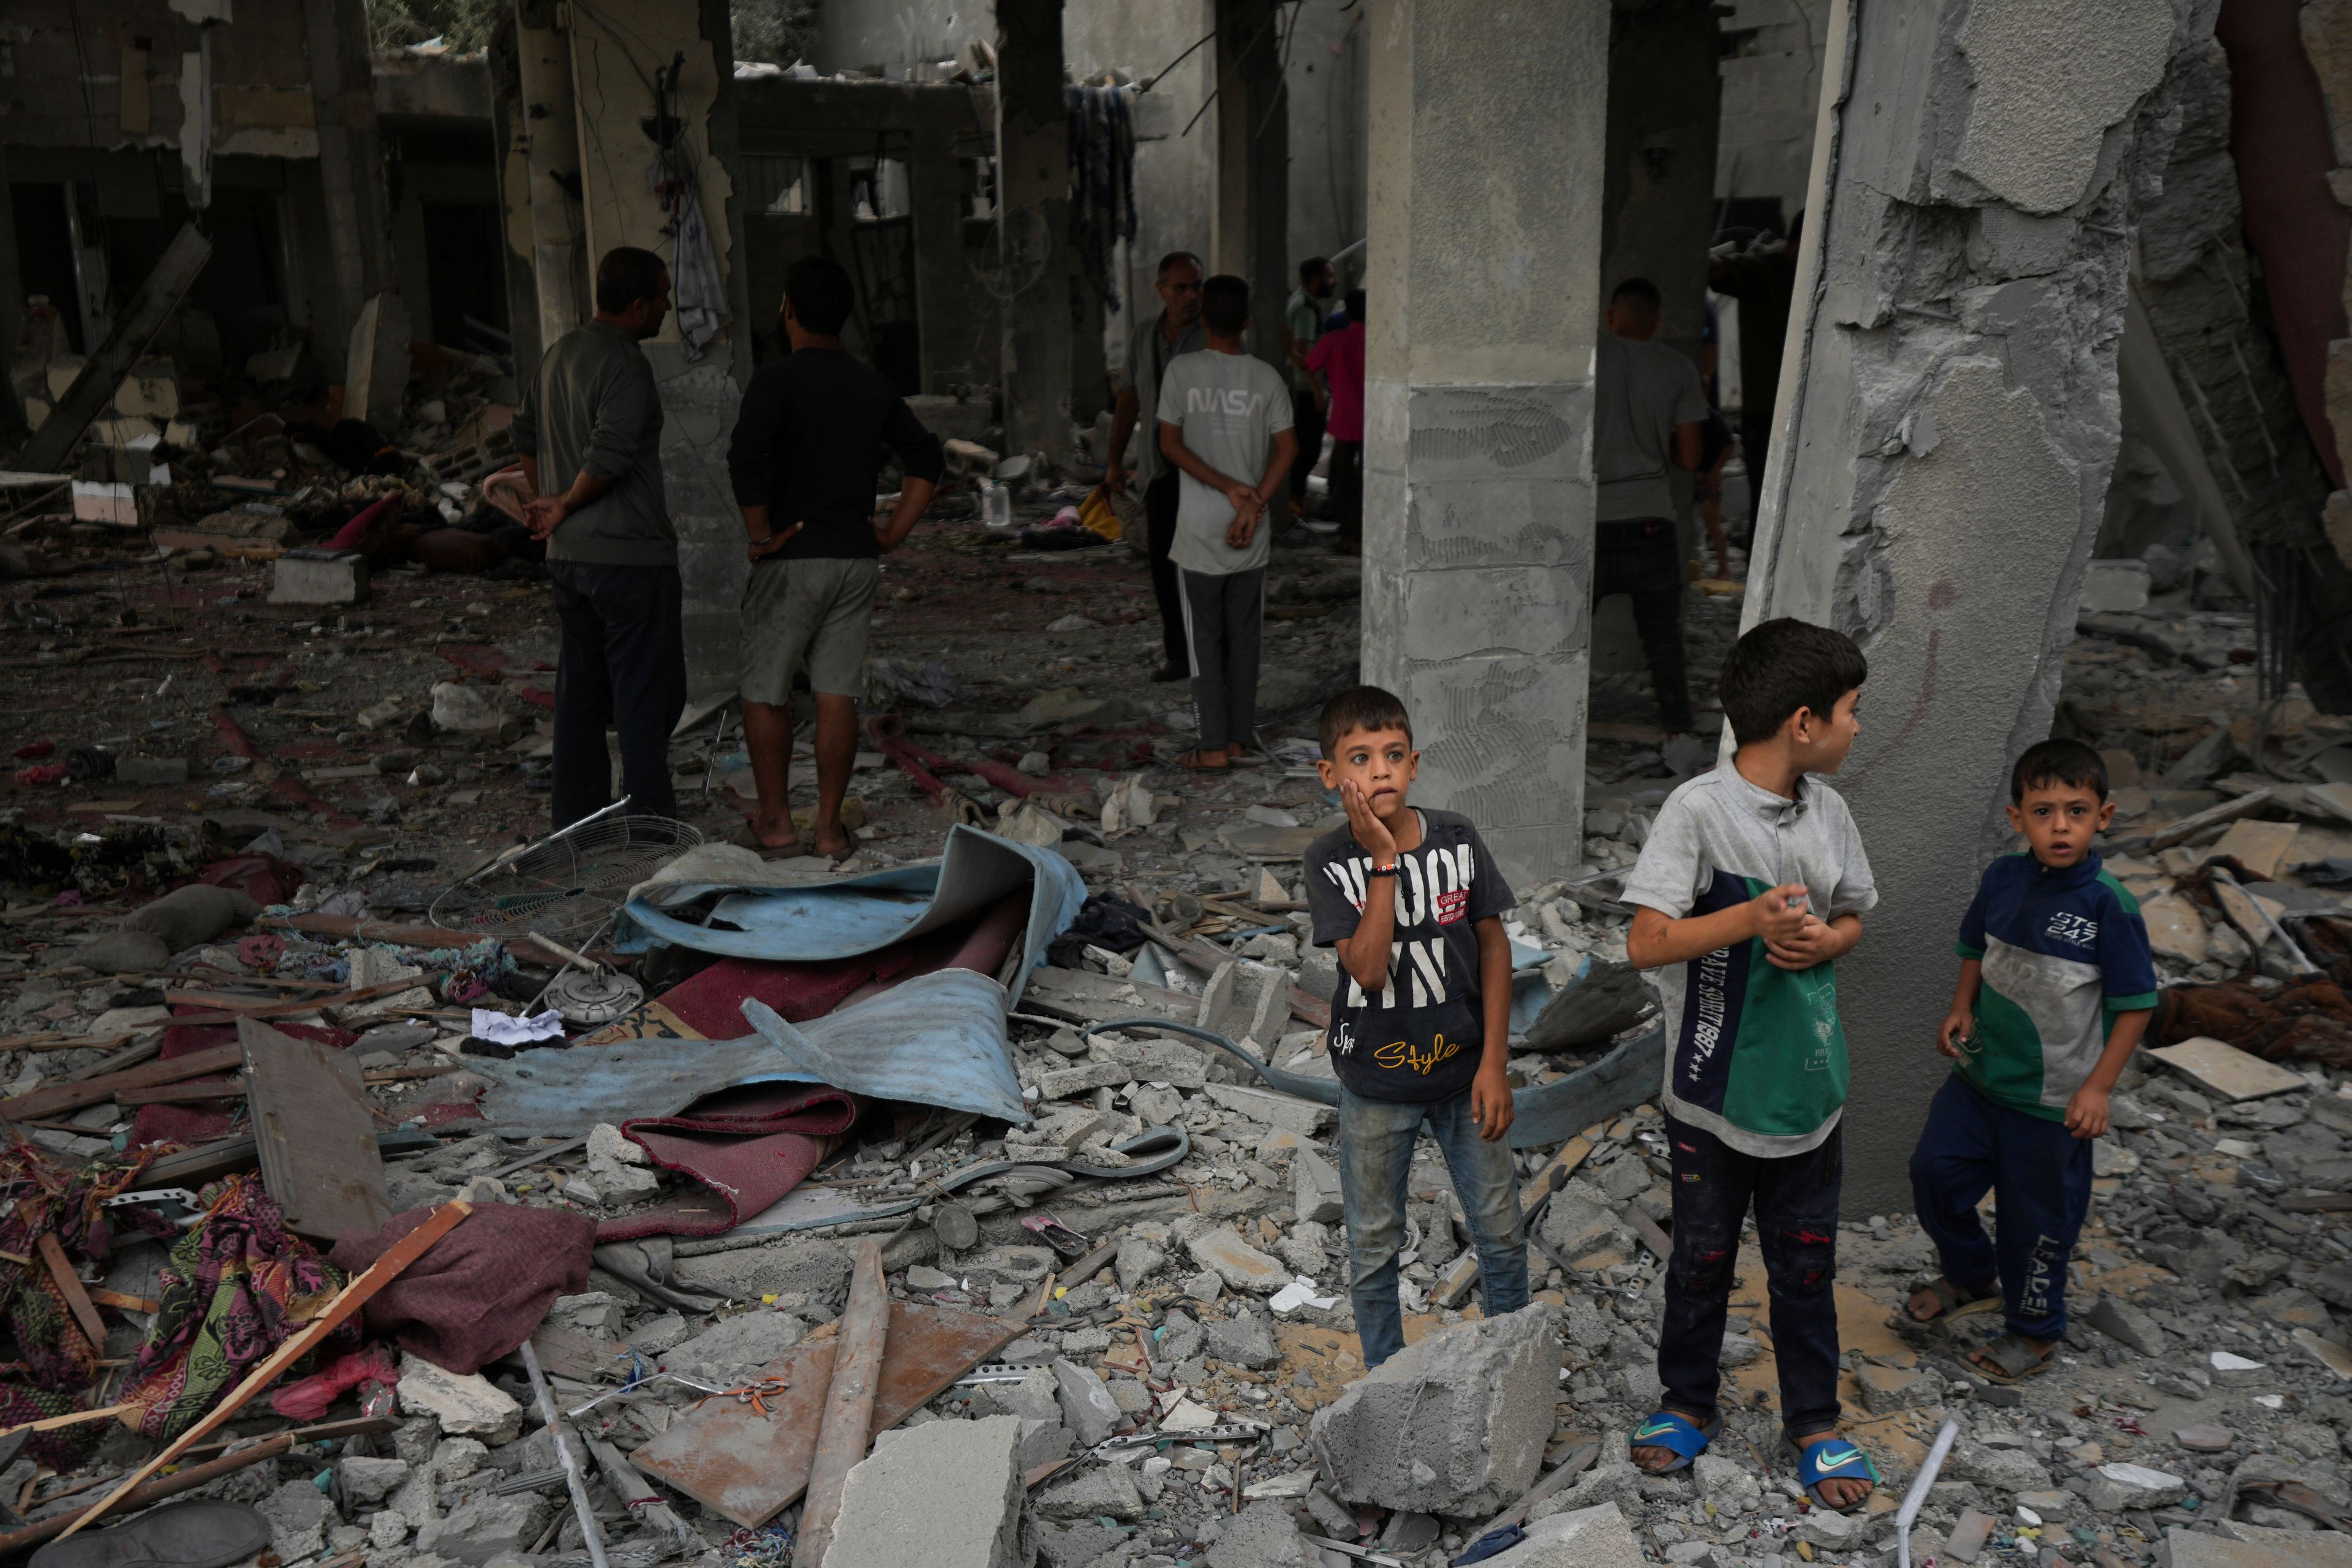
{"type": "Point", "coordinates": [1338, 361]}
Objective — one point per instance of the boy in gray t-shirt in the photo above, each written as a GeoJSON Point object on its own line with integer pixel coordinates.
{"type": "Point", "coordinates": [1225, 421]}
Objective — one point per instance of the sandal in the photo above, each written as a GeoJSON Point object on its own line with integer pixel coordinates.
{"type": "Point", "coordinates": [2013, 1359]}
{"type": "Point", "coordinates": [1839, 1460]}
{"type": "Point", "coordinates": [1675, 1433]}
{"type": "Point", "coordinates": [748, 837]}
{"type": "Point", "coordinates": [1950, 1301]}
{"type": "Point", "coordinates": [204, 1534]}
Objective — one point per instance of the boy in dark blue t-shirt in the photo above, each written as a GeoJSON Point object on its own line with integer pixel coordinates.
{"type": "Point", "coordinates": [1421, 1019]}
{"type": "Point", "coordinates": [2056, 987]}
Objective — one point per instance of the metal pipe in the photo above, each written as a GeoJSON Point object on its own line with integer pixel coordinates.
{"type": "Point", "coordinates": [577, 1482]}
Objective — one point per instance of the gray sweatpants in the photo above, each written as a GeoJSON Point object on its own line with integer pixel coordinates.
{"type": "Point", "coordinates": [1223, 617]}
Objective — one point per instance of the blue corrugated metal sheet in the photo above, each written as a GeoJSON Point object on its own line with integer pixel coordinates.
{"type": "Point", "coordinates": [851, 915]}
{"type": "Point", "coordinates": [936, 1039]}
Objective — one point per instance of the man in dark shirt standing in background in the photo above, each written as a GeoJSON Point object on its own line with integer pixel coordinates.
{"type": "Point", "coordinates": [590, 426]}
{"type": "Point", "coordinates": [806, 455]}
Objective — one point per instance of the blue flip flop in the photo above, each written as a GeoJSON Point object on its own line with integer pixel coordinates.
{"type": "Point", "coordinates": [1839, 1460]}
{"type": "Point", "coordinates": [1679, 1435]}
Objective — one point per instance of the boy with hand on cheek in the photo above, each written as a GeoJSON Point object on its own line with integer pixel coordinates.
{"type": "Point", "coordinates": [2056, 987]}
{"type": "Point", "coordinates": [1750, 886]}
{"type": "Point", "coordinates": [1421, 1019]}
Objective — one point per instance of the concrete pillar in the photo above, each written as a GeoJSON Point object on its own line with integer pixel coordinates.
{"type": "Point", "coordinates": [11, 302]}
{"type": "Point", "coordinates": [350, 165]}
{"type": "Point", "coordinates": [699, 397]}
{"type": "Point", "coordinates": [509, 134]}
{"type": "Point", "coordinates": [1947, 427]}
{"type": "Point", "coordinates": [1032, 198]}
{"type": "Point", "coordinates": [548, 132]}
{"type": "Point", "coordinates": [1485, 295]}
{"type": "Point", "coordinates": [1249, 222]}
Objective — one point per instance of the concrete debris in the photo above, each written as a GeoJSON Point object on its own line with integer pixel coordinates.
{"type": "Point", "coordinates": [1087, 1409]}
{"type": "Point", "coordinates": [946, 1494]}
{"type": "Point", "coordinates": [1595, 1537]}
{"type": "Point", "coordinates": [1455, 1424]}
{"type": "Point", "coordinates": [1264, 1535]}
{"type": "Point", "coordinates": [468, 1406]}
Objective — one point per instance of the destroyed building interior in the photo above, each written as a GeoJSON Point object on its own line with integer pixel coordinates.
{"type": "Point", "coordinates": [676, 1186]}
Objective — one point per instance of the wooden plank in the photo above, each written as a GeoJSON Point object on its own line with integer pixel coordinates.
{"type": "Point", "coordinates": [69, 1286]}
{"type": "Point", "coordinates": [749, 1467]}
{"type": "Point", "coordinates": [313, 1133]}
{"type": "Point", "coordinates": [347, 1302]}
{"type": "Point", "coordinates": [52, 1100]}
{"type": "Point", "coordinates": [231, 1087]}
{"type": "Point", "coordinates": [848, 1424]}
{"type": "Point", "coordinates": [51, 1422]}
{"type": "Point", "coordinates": [153, 1491]}
{"type": "Point", "coordinates": [1547, 1181]}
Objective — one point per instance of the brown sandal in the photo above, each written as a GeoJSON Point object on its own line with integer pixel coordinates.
{"type": "Point", "coordinates": [2013, 1359]}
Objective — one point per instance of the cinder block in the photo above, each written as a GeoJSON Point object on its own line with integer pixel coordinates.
{"type": "Point", "coordinates": [320, 577]}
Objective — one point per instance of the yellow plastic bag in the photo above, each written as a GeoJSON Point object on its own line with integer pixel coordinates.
{"type": "Point", "coordinates": [1097, 514]}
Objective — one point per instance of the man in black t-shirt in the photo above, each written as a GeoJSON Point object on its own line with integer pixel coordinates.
{"type": "Point", "coordinates": [806, 455]}
{"type": "Point", "coordinates": [1421, 1019]}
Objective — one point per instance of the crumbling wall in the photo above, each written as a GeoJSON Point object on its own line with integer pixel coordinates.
{"type": "Point", "coordinates": [1773, 55]}
{"type": "Point", "coordinates": [1950, 410]}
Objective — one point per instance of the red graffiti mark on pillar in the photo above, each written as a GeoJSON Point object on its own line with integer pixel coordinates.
{"type": "Point", "coordinates": [1942, 594]}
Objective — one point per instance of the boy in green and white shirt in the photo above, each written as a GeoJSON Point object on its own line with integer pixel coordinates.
{"type": "Point", "coordinates": [1750, 886]}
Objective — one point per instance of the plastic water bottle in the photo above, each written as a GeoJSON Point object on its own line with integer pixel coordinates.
{"type": "Point", "coordinates": [996, 505]}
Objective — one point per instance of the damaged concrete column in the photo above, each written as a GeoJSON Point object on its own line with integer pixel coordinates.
{"type": "Point", "coordinates": [1032, 229]}
{"type": "Point", "coordinates": [547, 137]}
{"type": "Point", "coordinates": [1947, 424]}
{"type": "Point", "coordinates": [1485, 294]}
{"type": "Point", "coordinates": [703, 355]}
{"type": "Point", "coordinates": [350, 161]}
{"type": "Point", "coordinates": [1250, 220]}
{"type": "Point", "coordinates": [511, 134]}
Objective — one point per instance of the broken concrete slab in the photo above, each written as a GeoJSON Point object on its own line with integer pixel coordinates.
{"type": "Point", "coordinates": [1886, 1389]}
{"type": "Point", "coordinates": [946, 1494]}
{"type": "Point", "coordinates": [1086, 1406]}
{"type": "Point", "coordinates": [1223, 1253]}
{"type": "Point", "coordinates": [1245, 1338]}
{"type": "Point", "coordinates": [470, 1406]}
{"type": "Point", "coordinates": [319, 577]}
{"type": "Point", "coordinates": [1305, 1116]}
{"type": "Point", "coordinates": [1262, 1535]}
{"type": "Point", "coordinates": [1595, 1537]}
{"type": "Point", "coordinates": [1106, 1493]}
{"type": "Point", "coordinates": [297, 1513]}
{"type": "Point", "coordinates": [1969, 1533]}
{"type": "Point", "coordinates": [2122, 1322]}
{"type": "Point", "coordinates": [2228, 1071]}
{"type": "Point", "coordinates": [370, 1479]}
{"type": "Point", "coordinates": [812, 1264]}
{"type": "Point", "coordinates": [1138, 1260]}
{"type": "Point", "coordinates": [1315, 1188]}
{"type": "Point", "coordinates": [729, 1353]}
{"type": "Point", "coordinates": [2279, 1548]}
{"type": "Point", "coordinates": [2115, 1487]}
{"type": "Point", "coordinates": [1455, 1424]}
{"type": "Point", "coordinates": [1731, 1486]}
{"type": "Point", "coordinates": [2006, 1469]}
{"type": "Point", "coordinates": [486, 1526]}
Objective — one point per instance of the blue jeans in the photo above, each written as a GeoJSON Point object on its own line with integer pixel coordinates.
{"type": "Point", "coordinates": [1376, 1139]}
{"type": "Point", "coordinates": [1970, 1147]}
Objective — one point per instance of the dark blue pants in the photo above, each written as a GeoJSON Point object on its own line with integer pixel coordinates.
{"type": "Point", "coordinates": [1796, 1201]}
{"type": "Point", "coordinates": [1970, 1147]}
{"type": "Point", "coordinates": [624, 666]}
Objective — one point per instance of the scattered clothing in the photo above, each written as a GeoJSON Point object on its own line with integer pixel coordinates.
{"type": "Point", "coordinates": [1102, 181]}
{"type": "Point", "coordinates": [1376, 1143]}
{"type": "Point", "coordinates": [1224, 615]}
{"type": "Point", "coordinates": [623, 665]}
{"type": "Point", "coordinates": [808, 446]}
{"type": "Point", "coordinates": [1755, 1054]}
{"type": "Point", "coordinates": [236, 1286]}
{"type": "Point", "coordinates": [1795, 1197]}
{"type": "Point", "coordinates": [2064, 950]}
{"type": "Point", "coordinates": [1642, 392]}
{"type": "Point", "coordinates": [1973, 1144]}
{"type": "Point", "coordinates": [593, 408]}
{"type": "Point", "coordinates": [477, 1292]}
{"type": "Point", "coordinates": [1420, 1039]}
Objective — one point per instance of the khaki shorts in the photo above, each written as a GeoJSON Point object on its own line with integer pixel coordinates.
{"type": "Point", "coordinates": [814, 611]}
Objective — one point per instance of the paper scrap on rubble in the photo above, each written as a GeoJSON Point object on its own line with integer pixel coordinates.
{"type": "Point", "coordinates": [506, 1029]}
{"type": "Point", "coordinates": [1187, 1416]}
{"type": "Point", "coordinates": [1300, 1292]}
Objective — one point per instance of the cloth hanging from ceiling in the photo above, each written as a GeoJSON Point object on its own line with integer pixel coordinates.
{"type": "Point", "coordinates": [1102, 180]}
{"type": "Point", "coordinates": [695, 289]}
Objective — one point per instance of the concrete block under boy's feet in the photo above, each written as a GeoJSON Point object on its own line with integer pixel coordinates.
{"type": "Point", "coordinates": [320, 577]}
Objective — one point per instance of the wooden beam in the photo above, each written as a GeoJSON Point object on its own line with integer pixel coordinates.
{"type": "Point", "coordinates": [51, 1099]}
{"type": "Point", "coordinates": [70, 1287]}
{"type": "Point", "coordinates": [847, 1429]}
{"type": "Point", "coordinates": [347, 1302]}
